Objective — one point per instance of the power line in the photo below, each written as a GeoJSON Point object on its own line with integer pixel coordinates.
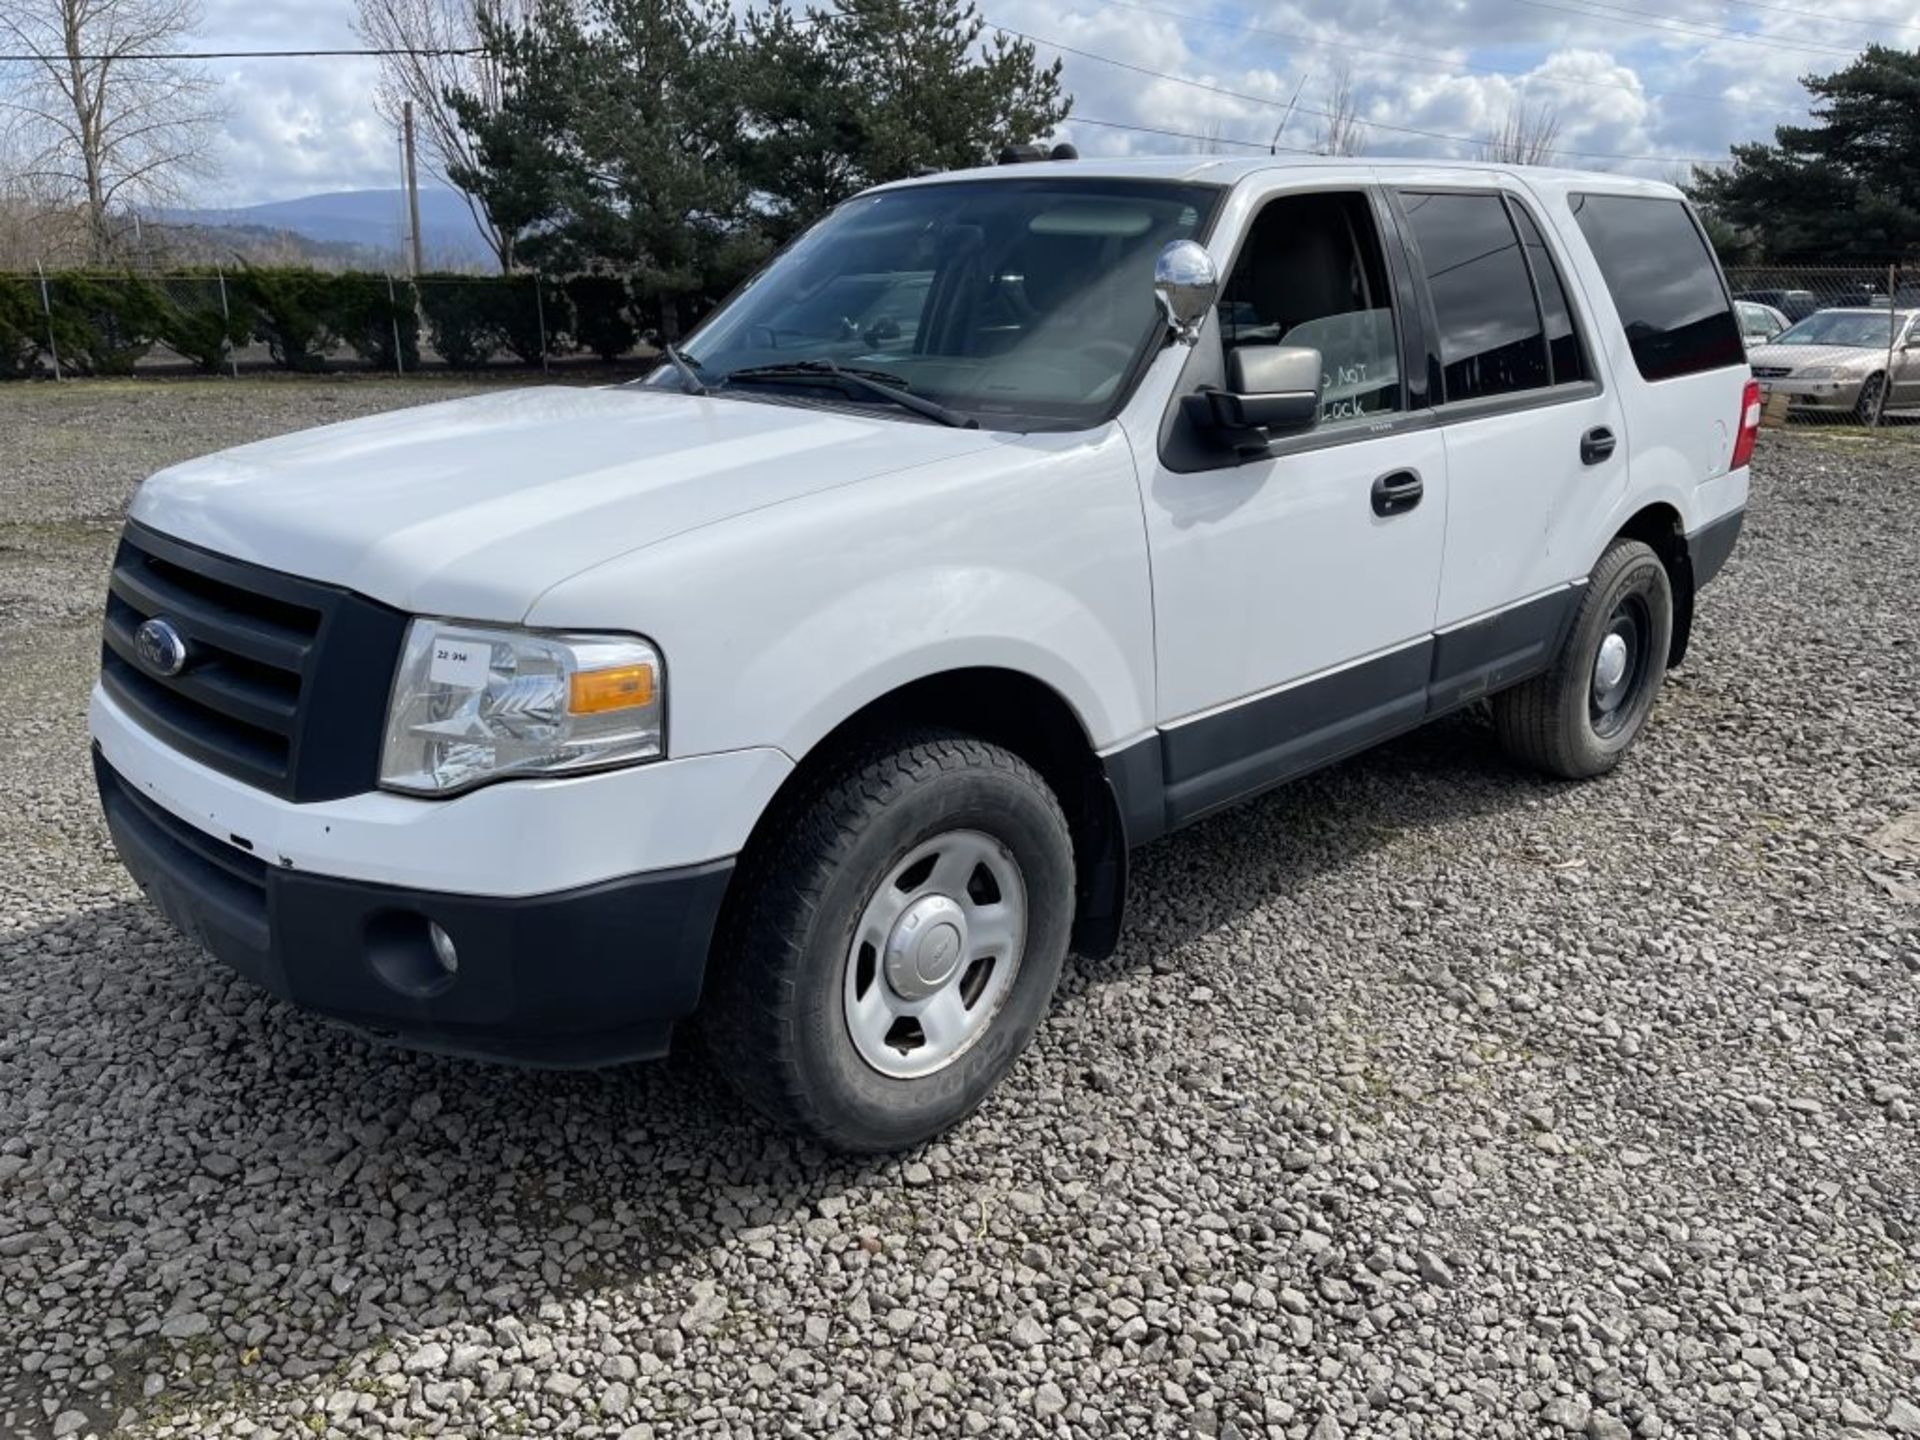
{"type": "Point", "coordinates": [1260, 145]}
{"type": "Point", "coordinates": [1655, 21]}
{"type": "Point", "coordinates": [1427, 61]}
{"type": "Point", "coordinates": [1828, 19]}
{"type": "Point", "coordinates": [1276, 104]}
{"type": "Point", "coordinates": [421, 51]}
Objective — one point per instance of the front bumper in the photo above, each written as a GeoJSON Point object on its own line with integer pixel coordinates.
{"type": "Point", "coordinates": [1838, 395]}
{"type": "Point", "coordinates": [588, 976]}
{"type": "Point", "coordinates": [520, 837]}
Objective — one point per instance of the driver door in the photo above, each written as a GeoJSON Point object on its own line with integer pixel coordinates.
{"type": "Point", "coordinates": [1294, 606]}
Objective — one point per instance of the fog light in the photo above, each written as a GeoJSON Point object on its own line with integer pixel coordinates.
{"type": "Point", "coordinates": [443, 949]}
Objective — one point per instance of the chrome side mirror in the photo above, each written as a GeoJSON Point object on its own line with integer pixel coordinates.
{"type": "Point", "coordinates": [1186, 283]}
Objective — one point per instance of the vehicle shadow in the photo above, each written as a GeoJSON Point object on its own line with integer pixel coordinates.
{"type": "Point", "coordinates": [1197, 880]}
{"type": "Point", "coordinates": [393, 1191]}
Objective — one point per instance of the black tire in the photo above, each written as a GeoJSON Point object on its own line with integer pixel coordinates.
{"type": "Point", "coordinates": [1868, 405]}
{"type": "Point", "coordinates": [1560, 722]}
{"type": "Point", "coordinates": [774, 1019]}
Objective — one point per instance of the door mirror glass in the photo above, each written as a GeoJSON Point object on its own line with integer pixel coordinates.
{"type": "Point", "coordinates": [1271, 390]}
{"type": "Point", "coordinates": [1186, 283]}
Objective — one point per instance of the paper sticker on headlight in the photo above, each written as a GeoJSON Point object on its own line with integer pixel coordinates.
{"type": "Point", "coordinates": [475, 703]}
{"type": "Point", "coordinates": [461, 663]}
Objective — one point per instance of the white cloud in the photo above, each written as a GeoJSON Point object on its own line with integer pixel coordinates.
{"type": "Point", "coordinates": [1619, 86]}
{"type": "Point", "coordinates": [298, 127]}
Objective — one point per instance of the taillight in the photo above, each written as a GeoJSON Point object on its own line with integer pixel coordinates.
{"type": "Point", "coordinates": [1749, 425]}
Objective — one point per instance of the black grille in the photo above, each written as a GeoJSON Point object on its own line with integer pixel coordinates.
{"type": "Point", "coordinates": [1772, 372]}
{"type": "Point", "coordinates": [286, 680]}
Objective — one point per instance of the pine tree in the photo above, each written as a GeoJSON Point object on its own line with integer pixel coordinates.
{"type": "Point", "coordinates": [1844, 189]}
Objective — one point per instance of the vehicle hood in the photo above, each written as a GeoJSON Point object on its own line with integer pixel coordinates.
{"type": "Point", "coordinates": [1796, 357]}
{"type": "Point", "coordinates": [475, 507]}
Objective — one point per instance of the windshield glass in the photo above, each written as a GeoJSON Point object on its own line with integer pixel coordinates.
{"type": "Point", "coordinates": [1023, 303]}
{"type": "Point", "coordinates": [1840, 327]}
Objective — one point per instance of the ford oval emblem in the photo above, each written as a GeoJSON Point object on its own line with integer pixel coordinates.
{"type": "Point", "coordinates": [163, 649]}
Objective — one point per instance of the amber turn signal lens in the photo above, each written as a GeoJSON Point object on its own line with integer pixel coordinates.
{"type": "Point", "coordinates": [595, 692]}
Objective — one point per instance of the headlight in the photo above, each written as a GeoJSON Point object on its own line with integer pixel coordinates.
{"type": "Point", "coordinates": [472, 703]}
{"type": "Point", "coordinates": [1818, 372]}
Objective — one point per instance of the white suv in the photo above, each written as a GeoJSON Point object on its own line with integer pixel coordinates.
{"type": "Point", "coordinates": [821, 682]}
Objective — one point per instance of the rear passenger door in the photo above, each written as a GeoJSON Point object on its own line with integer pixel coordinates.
{"type": "Point", "coordinates": [1536, 458]}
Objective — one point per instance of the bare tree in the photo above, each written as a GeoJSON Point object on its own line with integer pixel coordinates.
{"type": "Point", "coordinates": [440, 45]}
{"type": "Point", "coordinates": [1524, 137]}
{"type": "Point", "coordinates": [103, 120]}
{"type": "Point", "coordinates": [1342, 132]}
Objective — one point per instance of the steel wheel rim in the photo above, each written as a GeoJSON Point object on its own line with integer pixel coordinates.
{"type": "Point", "coordinates": [935, 953]}
{"type": "Point", "coordinates": [1619, 666]}
{"type": "Point", "coordinates": [1869, 400]}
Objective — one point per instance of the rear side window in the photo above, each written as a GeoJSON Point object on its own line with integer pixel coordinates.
{"type": "Point", "coordinates": [1491, 340]}
{"type": "Point", "coordinates": [1569, 360]}
{"type": "Point", "coordinates": [1665, 285]}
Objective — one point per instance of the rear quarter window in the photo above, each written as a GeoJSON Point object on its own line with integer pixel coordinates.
{"type": "Point", "coordinates": [1671, 299]}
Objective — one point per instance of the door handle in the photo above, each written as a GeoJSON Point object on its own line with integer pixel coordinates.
{"type": "Point", "coordinates": [1397, 492]}
{"type": "Point", "coordinates": [1596, 445]}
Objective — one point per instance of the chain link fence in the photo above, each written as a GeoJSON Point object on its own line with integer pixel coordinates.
{"type": "Point", "coordinates": [219, 321]}
{"type": "Point", "coordinates": [1834, 347]}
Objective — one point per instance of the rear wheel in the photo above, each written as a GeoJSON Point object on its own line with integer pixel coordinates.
{"type": "Point", "coordinates": [894, 942]}
{"type": "Point", "coordinates": [1578, 719]}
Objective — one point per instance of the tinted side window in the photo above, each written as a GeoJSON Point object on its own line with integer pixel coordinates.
{"type": "Point", "coordinates": [1664, 284]}
{"type": "Point", "coordinates": [1490, 337]}
{"type": "Point", "coordinates": [1569, 361]}
{"type": "Point", "coordinates": [1312, 273]}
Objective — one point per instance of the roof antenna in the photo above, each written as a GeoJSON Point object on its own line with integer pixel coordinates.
{"type": "Point", "coordinates": [1273, 145]}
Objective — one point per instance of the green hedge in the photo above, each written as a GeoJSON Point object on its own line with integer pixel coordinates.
{"type": "Point", "coordinates": [104, 323]}
{"type": "Point", "coordinates": [20, 328]}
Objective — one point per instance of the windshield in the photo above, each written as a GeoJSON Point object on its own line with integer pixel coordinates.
{"type": "Point", "coordinates": [1841, 327]}
{"type": "Point", "coordinates": [1022, 303]}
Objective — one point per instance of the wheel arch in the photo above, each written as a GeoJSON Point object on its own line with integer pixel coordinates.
{"type": "Point", "coordinates": [1662, 529]}
{"type": "Point", "coordinates": [1033, 720]}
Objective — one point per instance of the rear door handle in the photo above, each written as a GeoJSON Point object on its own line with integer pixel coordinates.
{"type": "Point", "coordinates": [1596, 445]}
{"type": "Point", "coordinates": [1397, 492]}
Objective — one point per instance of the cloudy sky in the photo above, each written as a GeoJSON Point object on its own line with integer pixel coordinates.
{"type": "Point", "coordinates": [1639, 85]}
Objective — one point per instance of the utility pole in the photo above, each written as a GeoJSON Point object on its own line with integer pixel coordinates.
{"type": "Point", "coordinates": [413, 186]}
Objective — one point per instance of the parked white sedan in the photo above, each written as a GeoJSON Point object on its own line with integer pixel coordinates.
{"type": "Point", "coordinates": [1758, 323]}
{"type": "Point", "coordinates": [1844, 361]}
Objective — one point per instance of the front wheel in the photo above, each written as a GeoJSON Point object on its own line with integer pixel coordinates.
{"type": "Point", "coordinates": [1578, 719]}
{"type": "Point", "coordinates": [1868, 405]}
{"type": "Point", "coordinates": [893, 942]}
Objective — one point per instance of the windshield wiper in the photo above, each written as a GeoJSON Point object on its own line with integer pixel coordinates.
{"type": "Point", "coordinates": [689, 370]}
{"type": "Point", "coordinates": [887, 386]}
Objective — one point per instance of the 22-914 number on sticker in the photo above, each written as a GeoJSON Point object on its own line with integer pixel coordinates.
{"type": "Point", "coordinates": [464, 663]}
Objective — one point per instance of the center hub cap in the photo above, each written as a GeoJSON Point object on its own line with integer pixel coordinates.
{"type": "Point", "coordinates": [1611, 665]}
{"type": "Point", "coordinates": [925, 947]}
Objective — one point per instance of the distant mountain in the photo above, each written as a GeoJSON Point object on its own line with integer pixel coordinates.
{"type": "Point", "coordinates": [370, 225]}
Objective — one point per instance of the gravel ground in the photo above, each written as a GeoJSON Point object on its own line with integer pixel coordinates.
{"type": "Point", "coordinates": [1423, 1099]}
